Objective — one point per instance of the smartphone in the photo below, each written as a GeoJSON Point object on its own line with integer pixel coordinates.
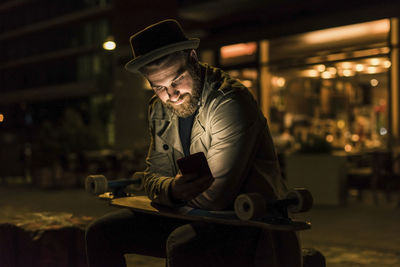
{"type": "Point", "coordinates": [194, 163]}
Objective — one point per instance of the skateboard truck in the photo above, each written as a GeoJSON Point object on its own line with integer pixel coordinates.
{"type": "Point", "coordinates": [254, 206]}
{"type": "Point", "coordinates": [98, 184]}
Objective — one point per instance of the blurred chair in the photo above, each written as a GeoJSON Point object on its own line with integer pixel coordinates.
{"type": "Point", "coordinates": [360, 173]}
{"type": "Point", "coordinates": [374, 171]}
{"type": "Point", "coordinates": [386, 178]}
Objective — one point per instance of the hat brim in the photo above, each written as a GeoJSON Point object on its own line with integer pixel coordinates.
{"type": "Point", "coordinates": [135, 64]}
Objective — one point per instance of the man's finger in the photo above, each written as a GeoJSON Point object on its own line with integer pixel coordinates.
{"type": "Point", "coordinates": [198, 186]}
{"type": "Point", "coordinates": [189, 177]}
{"type": "Point", "coordinates": [202, 180]}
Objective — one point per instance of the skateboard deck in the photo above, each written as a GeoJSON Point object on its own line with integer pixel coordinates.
{"type": "Point", "coordinates": [145, 205]}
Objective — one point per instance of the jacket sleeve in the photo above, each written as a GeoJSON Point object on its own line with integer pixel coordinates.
{"type": "Point", "coordinates": [159, 172]}
{"type": "Point", "coordinates": [156, 182]}
{"type": "Point", "coordinates": [235, 125]}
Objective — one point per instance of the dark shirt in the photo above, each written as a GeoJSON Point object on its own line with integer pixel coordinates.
{"type": "Point", "coordinates": [185, 131]}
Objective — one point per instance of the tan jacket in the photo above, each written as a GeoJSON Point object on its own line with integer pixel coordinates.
{"type": "Point", "coordinates": [233, 134]}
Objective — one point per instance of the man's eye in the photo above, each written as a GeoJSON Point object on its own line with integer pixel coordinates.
{"type": "Point", "coordinates": [180, 77]}
{"type": "Point", "coordinates": [158, 88]}
{"type": "Point", "coordinates": [178, 80]}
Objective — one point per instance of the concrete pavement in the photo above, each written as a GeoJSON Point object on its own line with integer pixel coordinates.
{"type": "Point", "coordinates": [359, 234]}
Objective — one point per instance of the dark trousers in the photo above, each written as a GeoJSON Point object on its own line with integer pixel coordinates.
{"type": "Point", "coordinates": [182, 243]}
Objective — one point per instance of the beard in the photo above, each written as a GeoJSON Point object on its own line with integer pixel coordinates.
{"type": "Point", "coordinates": [191, 101]}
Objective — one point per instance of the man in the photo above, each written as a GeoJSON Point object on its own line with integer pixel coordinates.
{"type": "Point", "coordinates": [196, 108]}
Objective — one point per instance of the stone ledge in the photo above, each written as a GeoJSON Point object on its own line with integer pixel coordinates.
{"type": "Point", "coordinates": [43, 239]}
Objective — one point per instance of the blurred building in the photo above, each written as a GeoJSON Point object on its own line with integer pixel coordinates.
{"type": "Point", "coordinates": [57, 78]}
{"type": "Point", "coordinates": [325, 73]}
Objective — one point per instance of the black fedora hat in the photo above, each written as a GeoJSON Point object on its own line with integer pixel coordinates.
{"type": "Point", "coordinates": [156, 41]}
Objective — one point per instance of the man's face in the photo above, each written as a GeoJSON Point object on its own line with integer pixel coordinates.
{"type": "Point", "coordinates": [177, 85]}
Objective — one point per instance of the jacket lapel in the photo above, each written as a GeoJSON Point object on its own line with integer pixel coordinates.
{"type": "Point", "coordinates": [171, 133]}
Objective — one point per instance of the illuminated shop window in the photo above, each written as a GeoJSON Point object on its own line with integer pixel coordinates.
{"type": "Point", "coordinates": [345, 103]}
{"type": "Point", "coordinates": [332, 85]}
{"type": "Point", "coordinates": [238, 53]}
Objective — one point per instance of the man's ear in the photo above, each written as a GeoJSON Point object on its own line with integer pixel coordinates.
{"type": "Point", "coordinates": [193, 55]}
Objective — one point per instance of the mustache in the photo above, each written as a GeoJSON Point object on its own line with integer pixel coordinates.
{"type": "Point", "coordinates": [180, 98]}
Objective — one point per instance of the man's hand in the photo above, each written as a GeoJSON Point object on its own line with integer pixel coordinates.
{"type": "Point", "coordinates": [186, 187]}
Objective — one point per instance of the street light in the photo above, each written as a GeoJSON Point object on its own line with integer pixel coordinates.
{"type": "Point", "coordinates": [109, 43]}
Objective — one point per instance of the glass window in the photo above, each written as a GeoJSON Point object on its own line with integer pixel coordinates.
{"type": "Point", "coordinates": [344, 103]}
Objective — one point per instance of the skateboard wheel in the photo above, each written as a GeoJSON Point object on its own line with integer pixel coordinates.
{"type": "Point", "coordinates": [304, 200]}
{"type": "Point", "coordinates": [138, 185]}
{"type": "Point", "coordinates": [96, 184]}
{"type": "Point", "coordinates": [250, 206]}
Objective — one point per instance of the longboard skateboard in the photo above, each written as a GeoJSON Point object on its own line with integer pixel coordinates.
{"type": "Point", "coordinates": [249, 209]}
{"type": "Point", "coordinates": [144, 205]}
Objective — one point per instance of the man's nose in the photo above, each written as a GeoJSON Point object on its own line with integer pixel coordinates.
{"type": "Point", "coordinates": [173, 93]}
